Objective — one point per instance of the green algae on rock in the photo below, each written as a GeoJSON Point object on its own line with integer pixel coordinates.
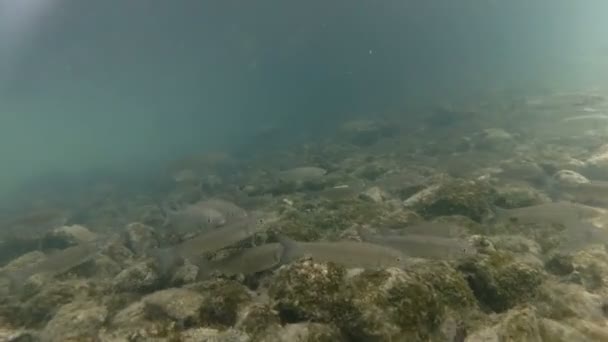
{"type": "Point", "coordinates": [372, 305]}
{"type": "Point", "coordinates": [499, 282]}
{"type": "Point", "coordinates": [455, 197]}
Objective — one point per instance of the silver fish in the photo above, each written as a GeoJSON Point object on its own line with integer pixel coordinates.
{"type": "Point", "coordinates": [247, 261]}
{"type": "Point", "coordinates": [229, 210]}
{"type": "Point", "coordinates": [441, 229]}
{"type": "Point", "coordinates": [349, 254]}
{"type": "Point", "coordinates": [209, 242]}
{"type": "Point", "coordinates": [194, 217]}
{"type": "Point", "coordinates": [59, 262]}
{"type": "Point", "coordinates": [302, 174]}
{"type": "Point", "coordinates": [592, 192]}
{"type": "Point", "coordinates": [578, 235]}
{"type": "Point", "coordinates": [555, 213]}
{"type": "Point", "coordinates": [423, 246]}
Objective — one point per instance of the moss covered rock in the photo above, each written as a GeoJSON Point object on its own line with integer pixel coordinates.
{"type": "Point", "coordinates": [222, 302]}
{"type": "Point", "coordinates": [371, 305]}
{"type": "Point", "coordinates": [454, 197]}
{"type": "Point", "coordinates": [308, 291]}
{"type": "Point", "coordinates": [499, 282]}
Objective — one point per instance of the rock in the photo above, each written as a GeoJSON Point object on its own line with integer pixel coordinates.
{"type": "Point", "coordinates": [569, 178]}
{"type": "Point", "coordinates": [404, 305]}
{"type": "Point", "coordinates": [213, 335]}
{"type": "Point", "coordinates": [456, 197]}
{"type": "Point", "coordinates": [382, 305]}
{"type": "Point", "coordinates": [522, 170]}
{"type": "Point", "coordinates": [495, 139]}
{"type": "Point", "coordinates": [519, 196]}
{"type": "Point", "coordinates": [524, 250]}
{"type": "Point", "coordinates": [308, 291]}
{"type": "Point", "coordinates": [374, 194]}
{"type": "Point", "coordinates": [499, 282]}
{"type": "Point", "coordinates": [516, 325]}
{"type": "Point", "coordinates": [139, 277]}
{"type": "Point", "coordinates": [136, 323]}
{"type": "Point", "coordinates": [9, 334]}
{"type": "Point", "coordinates": [554, 331]}
{"type": "Point", "coordinates": [177, 304]}
{"type": "Point", "coordinates": [566, 301]}
{"type": "Point", "coordinates": [596, 165]}
{"type": "Point", "coordinates": [76, 321]}
{"type": "Point", "coordinates": [591, 264]}
{"type": "Point", "coordinates": [40, 306]}
{"type": "Point", "coordinates": [256, 319]}
{"type": "Point", "coordinates": [222, 303]}
{"type": "Point", "coordinates": [305, 332]}
{"type": "Point", "coordinates": [560, 264]}
{"type": "Point", "coordinates": [67, 236]}
{"type": "Point", "coordinates": [141, 238]}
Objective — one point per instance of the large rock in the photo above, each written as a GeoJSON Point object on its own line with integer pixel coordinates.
{"type": "Point", "coordinates": [499, 281]}
{"type": "Point", "coordinates": [76, 321]}
{"type": "Point", "coordinates": [382, 305]}
{"type": "Point", "coordinates": [456, 197]}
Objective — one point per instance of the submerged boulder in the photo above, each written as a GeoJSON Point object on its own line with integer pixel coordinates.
{"type": "Point", "coordinates": [390, 304]}
{"type": "Point", "coordinates": [499, 281]}
{"type": "Point", "coordinates": [455, 197]}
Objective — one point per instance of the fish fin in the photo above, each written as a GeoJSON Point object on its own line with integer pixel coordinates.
{"type": "Point", "coordinates": [290, 249]}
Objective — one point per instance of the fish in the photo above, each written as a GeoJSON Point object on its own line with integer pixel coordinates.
{"type": "Point", "coordinates": [246, 261]}
{"type": "Point", "coordinates": [58, 262]}
{"type": "Point", "coordinates": [578, 235]}
{"type": "Point", "coordinates": [350, 254]}
{"type": "Point", "coordinates": [340, 192]}
{"type": "Point", "coordinates": [422, 246]}
{"type": "Point", "coordinates": [602, 117]}
{"type": "Point", "coordinates": [194, 217]}
{"type": "Point", "coordinates": [302, 174]}
{"type": "Point", "coordinates": [592, 192]}
{"type": "Point", "coordinates": [209, 242]}
{"type": "Point", "coordinates": [559, 212]}
{"type": "Point", "coordinates": [441, 229]}
{"type": "Point", "coordinates": [229, 210]}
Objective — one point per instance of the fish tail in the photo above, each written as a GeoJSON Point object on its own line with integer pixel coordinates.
{"type": "Point", "coordinates": [290, 249]}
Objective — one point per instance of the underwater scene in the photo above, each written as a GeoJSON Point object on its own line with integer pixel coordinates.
{"type": "Point", "coordinates": [281, 171]}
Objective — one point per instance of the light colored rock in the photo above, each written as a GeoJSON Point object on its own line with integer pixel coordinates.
{"type": "Point", "coordinates": [554, 331]}
{"type": "Point", "coordinates": [421, 196]}
{"type": "Point", "coordinates": [177, 303]}
{"type": "Point", "coordinates": [141, 238]}
{"type": "Point", "coordinates": [304, 332]}
{"type": "Point", "coordinates": [214, 335]}
{"type": "Point", "coordinates": [516, 325]}
{"type": "Point", "coordinates": [569, 177]}
{"type": "Point", "coordinates": [374, 194]}
{"type": "Point", "coordinates": [76, 321]}
{"type": "Point", "coordinates": [138, 277]}
{"type": "Point", "coordinates": [74, 234]}
{"type": "Point", "coordinates": [599, 159]}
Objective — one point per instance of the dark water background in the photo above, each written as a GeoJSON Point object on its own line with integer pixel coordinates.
{"type": "Point", "coordinates": [122, 84]}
